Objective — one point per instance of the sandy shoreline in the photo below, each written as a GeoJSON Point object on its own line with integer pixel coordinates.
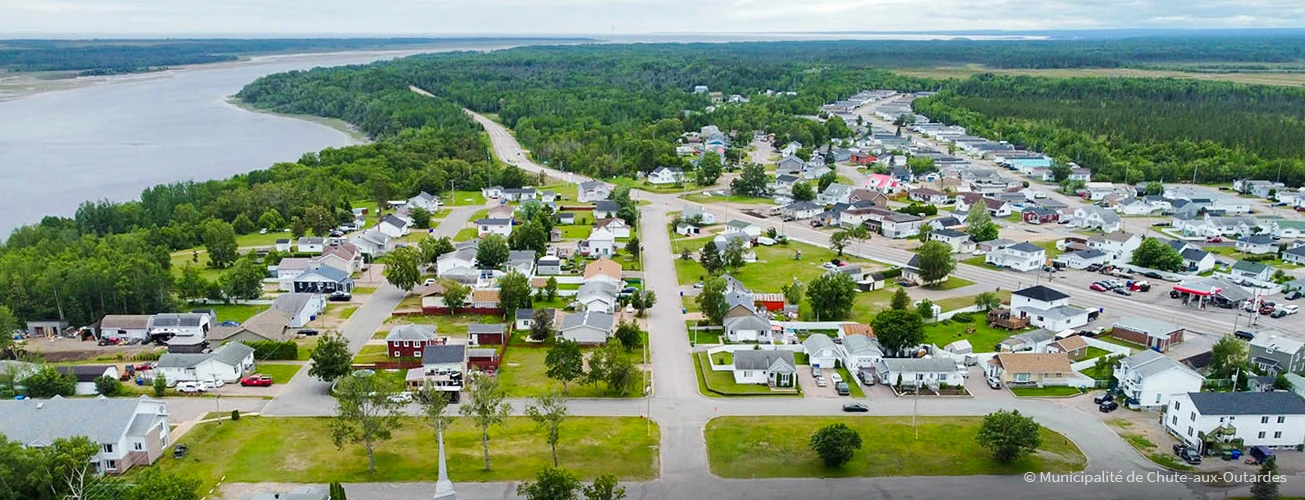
{"type": "Point", "coordinates": [357, 136]}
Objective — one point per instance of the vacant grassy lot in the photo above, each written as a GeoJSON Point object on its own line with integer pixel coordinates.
{"type": "Point", "coordinates": [466, 234]}
{"type": "Point", "coordinates": [232, 312]}
{"type": "Point", "coordinates": [775, 266]}
{"type": "Point", "coordinates": [299, 450]}
{"type": "Point", "coordinates": [280, 372]}
{"type": "Point", "coordinates": [371, 354]}
{"type": "Point", "coordinates": [954, 303]}
{"type": "Point", "coordinates": [462, 198]}
{"type": "Point", "coordinates": [524, 374]}
{"type": "Point", "coordinates": [446, 324]}
{"type": "Point", "coordinates": [705, 198]}
{"type": "Point", "coordinates": [765, 447]}
{"type": "Point", "coordinates": [983, 339]}
{"type": "Point", "coordinates": [952, 283]}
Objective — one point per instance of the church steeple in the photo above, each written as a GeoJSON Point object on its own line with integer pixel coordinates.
{"type": "Point", "coordinates": [444, 487]}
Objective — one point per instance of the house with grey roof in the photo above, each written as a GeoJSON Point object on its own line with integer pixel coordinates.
{"type": "Point", "coordinates": [586, 328]}
{"type": "Point", "coordinates": [394, 226]}
{"type": "Point", "coordinates": [771, 367]}
{"type": "Point", "coordinates": [1273, 353]}
{"type": "Point", "coordinates": [821, 351]}
{"type": "Point", "coordinates": [1256, 244]}
{"type": "Point", "coordinates": [269, 324]}
{"type": "Point", "coordinates": [1033, 341]}
{"type": "Point", "coordinates": [835, 193]}
{"type": "Point", "coordinates": [860, 351]}
{"type": "Point", "coordinates": [1294, 255]}
{"type": "Point", "coordinates": [1152, 379]}
{"type": "Point", "coordinates": [128, 432]}
{"type": "Point", "coordinates": [605, 209]}
{"type": "Point", "coordinates": [324, 280]}
{"type": "Point", "coordinates": [906, 373]}
{"type": "Point", "coordinates": [1020, 257]}
{"type": "Point", "coordinates": [1198, 261]}
{"type": "Point", "coordinates": [591, 191]}
{"type": "Point", "coordinates": [183, 332]}
{"type": "Point", "coordinates": [747, 328]}
{"type": "Point", "coordinates": [301, 308]}
{"type": "Point", "coordinates": [1274, 420]}
{"type": "Point", "coordinates": [227, 364]}
{"type": "Point", "coordinates": [442, 369]}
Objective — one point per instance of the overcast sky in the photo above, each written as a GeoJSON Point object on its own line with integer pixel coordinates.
{"type": "Point", "coordinates": [440, 17]}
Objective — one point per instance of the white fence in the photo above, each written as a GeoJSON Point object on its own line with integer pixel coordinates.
{"type": "Point", "coordinates": [1114, 349]}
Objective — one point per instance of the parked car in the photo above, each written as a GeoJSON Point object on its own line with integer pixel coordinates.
{"type": "Point", "coordinates": [1174, 294]}
{"type": "Point", "coordinates": [1123, 292]}
{"type": "Point", "coordinates": [404, 397]}
{"type": "Point", "coordinates": [339, 296]}
{"type": "Point", "coordinates": [179, 451]}
{"type": "Point", "coordinates": [1244, 335]}
{"type": "Point", "coordinates": [867, 377]}
{"type": "Point", "coordinates": [428, 282]}
{"type": "Point", "coordinates": [189, 388]}
{"type": "Point", "coordinates": [820, 382]}
{"type": "Point", "coordinates": [1279, 313]}
{"type": "Point", "coordinates": [1108, 407]}
{"type": "Point", "coordinates": [836, 377]}
{"type": "Point", "coordinates": [256, 380]}
{"type": "Point", "coordinates": [211, 385]}
{"type": "Point", "coordinates": [1292, 295]}
{"type": "Point", "coordinates": [1103, 398]}
{"type": "Point", "coordinates": [1267, 310]}
{"type": "Point", "coordinates": [842, 388]}
{"type": "Point", "coordinates": [1187, 454]}
{"type": "Point", "coordinates": [994, 383]}
{"type": "Point", "coordinates": [1094, 268]}
{"type": "Point", "coordinates": [1290, 309]}
{"type": "Point", "coordinates": [856, 407]}
{"type": "Point", "coordinates": [1215, 239]}
{"type": "Point", "coordinates": [308, 331]}
{"type": "Point", "coordinates": [1098, 287]}
{"type": "Point", "coordinates": [1153, 275]}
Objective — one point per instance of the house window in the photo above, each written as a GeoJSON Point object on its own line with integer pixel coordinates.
{"type": "Point", "coordinates": [1264, 420]}
{"type": "Point", "coordinates": [1175, 420]}
{"type": "Point", "coordinates": [111, 464]}
{"type": "Point", "coordinates": [1230, 419]}
{"type": "Point", "coordinates": [139, 447]}
{"type": "Point", "coordinates": [1189, 431]}
{"type": "Point", "coordinates": [1277, 435]}
{"type": "Point", "coordinates": [1260, 435]}
{"type": "Point", "coordinates": [108, 448]}
{"type": "Point", "coordinates": [396, 354]}
{"type": "Point", "coordinates": [1177, 405]}
{"type": "Point", "coordinates": [1193, 416]}
{"type": "Point", "coordinates": [1282, 420]}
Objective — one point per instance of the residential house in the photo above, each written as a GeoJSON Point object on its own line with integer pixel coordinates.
{"type": "Point", "coordinates": [603, 269]}
{"type": "Point", "coordinates": [548, 265]}
{"type": "Point", "coordinates": [1047, 308]}
{"type": "Point", "coordinates": [282, 245]}
{"type": "Point", "coordinates": [310, 244]}
{"type": "Point", "coordinates": [227, 363]}
{"type": "Point", "coordinates": [408, 341]}
{"type": "Point", "coordinates": [442, 369]}
{"type": "Point", "coordinates": [600, 243]}
{"type": "Point", "coordinates": [1148, 332]}
{"type": "Point", "coordinates": [127, 432]}
{"type": "Point", "coordinates": [618, 227]}
{"type": "Point", "coordinates": [1245, 269]}
{"type": "Point", "coordinates": [86, 375]}
{"type": "Point", "coordinates": [1094, 217]}
{"type": "Point", "coordinates": [695, 214]}
{"type": "Point", "coordinates": [885, 222]}
{"type": "Point", "coordinates": [1040, 215]}
{"type": "Point", "coordinates": [860, 351]}
{"type": "Point", "coordinates": [1020, 257]}
{"type": "Point", "coordinates": [394, 226]}
{"type": "Point", "coordinates": [1273, 353]}
{"type": "Point", "coordinates": [1257, 244]}
{"type": "Point", "coordinates": [123, 326]}
{"type": "Point", "coordinates": [1118, 244]}
{"type": "Point", "coordinates": [425, 201]}
{"type": "Point", "coordinates": [946, 222]}
{"type": "Point", "coordinates": [822, 351]}
{"type": "Point", "coordinates": [464, 257]}
{"type": "Point", "coordinates": [1257, 188]}
{"type": "Point", "coordinates": [590, 327]}
{"type": "Point", "coordinates": [605, 209]}
{"type": "Point", "coordinates": [1294, 255]}
{"type": "Point", "coordinates": [960, 242]}
{"type": "Point", "coordinates": [592, 191]}
{"type": "Point", "coordinates": [520, 194]}
{"type": "Point", "coordinates": [373, 242]}
{"type": "Point", "coordinates": [747, 327]}
{"type": "Point", "coordinates": [1031, 369]}
{"type": "Point", "coordinates": [752, 231]}
{"type": "Point", "coordinates": [290, 268]}
{"type": "Point", "coordinates": [492, 191]}
{"type": "Point", "coordinates": [1269, 419]}
{"type": "Point", "coordinates": [1288, 228]}
{"type": "Point", "coordinates": [485, 299]}
{"type": "Point", "coordinates": [598, 296]}
{"type": "Point", "coordinates": [268, 325]}
{"type": "Point", "coordinates": [488, 333]}
{"type": "Point", "coordinates": [1152, 379]}
{"type": "Point", "coordinates": [184, 332]}
{"type": "Point", "coordinates": [1199, 261]}
{"type": "Point", "coordinates": [866, 196]}
{"type": "Point", "coordinates": [926, 372]}
{"type": "Point", "coordinates": [815, 169]}
{"type": "Point", "coordinates": [771, 367]}
{"type": "Point", "coordinates": [341, 255]}
{"type": "Point", "coordinates": [487, 226]}
{"type": "Point", "coordinates": [300, 308]}
{"type": "Point", "coordinates": [525, 319]}
{"type": "Point", "coordinates": [661, 176]}
{"type": "Point", "coordinates": [800, 210]}
{"type": "Point", "coordinates": [790, 165]}
{"type": "Point", "coordinates": [783, 183]}
{"type": "Point", "coordinates": [521, 261]}
{"type": "Point", "coordinates": [1083, 259]}
{"type": "Point", "coordinates": [882, 183]}
{"type": "Point", "coordinates": [929, 196]}
{"type": "Point", "coordinates": [1135, 206]}
{"type": "Point", "coordinates": [1033, 341]}
{"type": "Point", "coordinates": [323, 280]}
{"type": "Point", "coordinates": [1073, 346]}
{"type": "Point", "coordinates": [835, 193]}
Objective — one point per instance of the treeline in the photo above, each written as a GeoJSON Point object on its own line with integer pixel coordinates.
{"type": "Point", "coordinates": [125, 56]}
{"type": "Point", "coordinates": [1138, 129]}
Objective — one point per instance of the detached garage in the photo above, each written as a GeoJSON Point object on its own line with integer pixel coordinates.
{"type": "Point", "coordinates": [822, 351]}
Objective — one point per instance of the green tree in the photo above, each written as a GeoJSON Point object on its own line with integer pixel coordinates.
{"type": "Point", "coordinates": [828, 179]}
{"type": "Point", "coordinates": [710, 258]}
{"type": "Point", "coordinates": [70, 466]}
{"type": "Point", "coordinates": [900, 300]}
{"type": "Point", "coordinates": [794, 291]}
{"type": "Point", "coordinates": [243, 281]}
{"type": "Point", "coordinates": [925, 309]}
{"type": "Point", "coordinates": [483, 402]}
{"type": "Point", "coordinates": [936, 262]}
{"type": "Point", "coordinates": [709, 169]}
{"type": "Point", "coordinates": [242, 224]}
{"type": "Point", "coordinates": [1155, 254]}
{"type": "Point", "coordinates": [803, 191]}
{"type": "Point", "coordinates": [220, 243]}
{"type": "Point", "coordinates": [108, 386]}
{"type": "Point", "coordinates": [331, 358]}
{"type": "Point", "coordinates": [541, 325]}
{"type": "Point", "coordinates": [732, 257]}
{"type": "Point", "coordinates": [191, 285]}
{"type": "Point", "coordinates": [1104, 367]}
{"type": "Point", "coordinates": [979, 224]}
{"type": "Point", "coordinates": [550, 288]}
{"type": "Point", "coordinates": [565, 363]}
{"type": "Point", "coordinates": [633, 247]}
{"type": "Point", "coordinates": [831, 296]}
{"type": "Point", "coordinates": [898, 330]}
{"type": "Point", "coordinates": [420, 217]}
{"type": "Point", "coordinates": [605, 487]}
{"type": "Point", "coordinates": [1154, 189]}
{"type": "Point", "coordinates": [492, 251]}
{"type": "Point", "coordinates": [153, 483]}
{"type": "Point", "coordinates": [271, 220]}
{"type": "Point", "coordinates": [435, 406]}
{"type": "Point", "coordinates": [835, 444]}
{"type": "Point", "coordinates": [548, 412]}
{"type": "Point", "coordinates": [381, 191]}
{"type": "Point", "coordinates": [628, 334]}
{"type": "Point", "coordinates": [160, 385]}
{"type": "Point", "coordinates": [321, 221]}
{"type": "Point", "coordinates": [1227, 356]}
{"type": "Point", "coordinates": [611, 365]}
{"type": "Point", "coordinates": [839, 241]}
{"type": "Point", "coordinates": [514, 292]}
{"type": "Point", "coordinates": [921, 165]}
{"type": "Point", "coordinates": [529, 236]}
{"type": "Point", "coordinates": [1267, 490]}
{"type": "Point", "coordinates": [751, 181]}
{"type": "Point", "coordinates": [711, 300]}
{"type": "Point", "coordinates": [298, 228]}
{"type": "Point", "coordinates": [1009, 435]}
{"type": "Point", "coordinates": [550, 483]}
{"type": "Point", "coordinates": [455, 295]}
{"type": "Point", "coordinates": [8, 325]}
{"type": "Point", "coordinates": [432, 248]}
{"type": "Point", "coordinates": [1060, 171]}
{"type": "Point", "coordinates": [987, 301]}
{"type": "Point", "coordinates": [367, 413]}
{"type": "Point", "coordinates": [46, 382]}
{"type": "Point", "coordinates": [643, 300]}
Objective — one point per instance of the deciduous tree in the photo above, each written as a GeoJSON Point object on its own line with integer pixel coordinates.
{"type": "Point", "coordinates": [551, 483]}
{"type": "Point", "coordinates": [331, 358]}
{"type": "Point", "coordinates": [484, 404]}
{"type": "Point", "coordinates": [565, 362]}
{"type": "Point", "coordinates": [898, 329]}
{"type": "Point", "coordinates": [541, 325]}
{"type": "Point", "coordinates": [979, 224]}
{"type": "Point", "coordinates": [1155, 254]}
{"type": "Point", "coordinates": [455, 295]}
{"type": "Point", "coordinates": [403, 268]}
{"type": "Point", "coordinates": [220, 243]}
{"type": "Point", "coordinates": [492, 251]}
{"type": "Point", "coordinates": [803, 191]}
{"type": "Point", "coordinates": [831, 296]}
{"type": "Point", "coordinates": [711, 300]}
{"type": "Point", "coordinates": [548, 412]}
{"type": "Point", "coordinates": [514, 292]}
{"type": "Point", "coordinates": [1009, 435]}
{"type": "Point", "coordinates": [987, 301]}
{"type": "Point", "coordinates": [935, 260]}
{"type": "Point", "coordinates": [836, 444]}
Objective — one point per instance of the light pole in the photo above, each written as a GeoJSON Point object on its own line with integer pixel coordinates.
{"type": "Point", "coordinates": [915, 410]}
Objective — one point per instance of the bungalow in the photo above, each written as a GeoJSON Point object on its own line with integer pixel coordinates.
{"type": "Point", "coordinates": [749, 327]}
{"type": "Point", "coordinates": [835, 193]}
{"type": "Point", "coordinates": [1257, 244]}
{"type": "Point", "coordinates": [564, 218]}
{"type": "Point", "coordinates": [442, 369]}
{"type": "Point", "coordinates": [771, 367]}
{"type": "Point", "coordinates": [323, 280]}
{"type": "Point", "coordinates": [592, 191]}
{"type": "Point", "coordinates": [282, 245]}
{"type": "Point", "coordinates": [1257, 188]}
{"type": "Point", "coordinates": [1245, 269]}
{"type": "Point", "coordinates": [464, 257]}
{"type": "Point", "coordinates": [492, 191]}
{"type": "Point", "coordinates": [860, 351]}
{"type": "Point", "coordinates": [598, 296]}
{"type": "Point", "coordinates": [863, 158]}
{"type": "Point", "coordinates": [485, 299]}
{"type": "Point", "coordinates": [373, 242]}
{"type": "Point", "coordinates": [290, 268]}
{"type": "Point", "coordinates": [86, 375]}
{"type": "Point", "coordinates": [393, 226]}
{"type": "Point", "coordinates": [605, 209]}
{"type": "Point", "coordinates": [309, 244]}
{"type": "Point", "coordinates": [1083, 259]}
{"type": "Point", "coordinates": [791, 165]}
{"type": "Point", "coordinates": [661, 176]}
{"type": "Point", "coordinates": [589, 328]}
{"type": "Point", "coordinates": [488, 333]}
{"type": "Point", "coordinates": [1294, 255]}
{"type": "Point", "coordinates": [686, 229]}
{"type": "Point", "coordinates": [299, 308]}
{"type": "Point", "coordinates": [918, 372]}
{"type": "Point", "coordinates": [1288, 228]}
{"type": "Point", "coordinates": [1040, 215]}
{"type": "Point", "coordinates": [1034, 341]}
{"type": "Point", "coordinates": [1117, 244]}
{"type": "Point", "coordinates": [1135, 207]}
{"type": "Point", "coordinates": [1020, 257]}
{"type": "Point", "coordinates": [600, 243]}
{"type": "Point", "coordinates": [521, 261]}
{"type": "Point", "coordinates": [695, 214]}
{"type": "Point", "coordinates": [501, 227]}
{"type": "Point", "coordinates": [960, 242]}
{"type": "Point", "coordinates": [520, 194]}
{"type": "Point", "coordinates": [1150, 333]}
{"type": "Point", "coordinates": [1268, 419]}
{"type": "Point", "coordinates": [1031, 369]}
{"type": "Point", "coordinates": [1094, 217]}
{"type": "Point", "coordinates": [1073, 346]}
{"type": "Point", "coordinates": [783, 183]}
{"type": "Point", "coordinates": [822, 351]}
{"type": "Point", "coordinates": [408, 341]}
{"type": "Point", "coordinates": [947, 222]}
{"type": "Point", "coordinates": [800, 210]}
{"type": "Point", "coordinates": [1199, 261]}
{"type": "Point", "coordinates": [227, 364]}
{"type": "Point", "coordinates": [929, 196]}
{"type": "Point", "coordinates": [425, 201]}
{"type": "Point", "coordinates": [618, 227]}
{"type": "Point", "coordinates": [889, 223]}
{"type": "Point", "coordinates": [126, 432]}
{"type": "Point", "coordinates": [863, 196]}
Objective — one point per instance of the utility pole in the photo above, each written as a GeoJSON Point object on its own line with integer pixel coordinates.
{"type": "Point", "coordinates": [915, 410]}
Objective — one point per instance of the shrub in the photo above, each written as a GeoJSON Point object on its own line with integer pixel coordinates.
{"type": "Point", "coordinates": [963, 317]}
{"type": "Point", "coordinates": [895, 272]}
{"type": "Point", "coordinates": [148, 356]}
{"type": "Point", "coordinates": [269, 350]}
{"type": "Point", "coordinates": [235, 415]}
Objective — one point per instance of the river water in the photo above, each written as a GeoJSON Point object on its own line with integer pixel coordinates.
{"type": "Point", "coordinates": [112, 139]}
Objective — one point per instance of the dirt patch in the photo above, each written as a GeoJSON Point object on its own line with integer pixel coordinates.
{"type": "Point", "coordinates": [72, 350]}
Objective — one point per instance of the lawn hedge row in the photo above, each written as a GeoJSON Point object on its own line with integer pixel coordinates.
{"type": "Point", "coordinates": [272, 350]}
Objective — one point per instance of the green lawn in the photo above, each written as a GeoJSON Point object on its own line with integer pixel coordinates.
{"type": "Point", "coordinates": [261, 240]}
{"type": "Point", "coordinates": [524, 374]}
{"type": "Point", "coordinates": [644, 185]}
{"type": "Point", "coordinates": [1045, 392]}
{"type": "Point", "coordinates": [232, 312]}
{"type": "Point", "coordinates": [983, 338]}
{"type": "Point", "coordinates": [1050, 247]}
{"type": "Point", "coordinates": [775, 266]}
{"type": "Point", "coordinates": [347, 312]}
{"type": "Point", "coordinates": [576, 232]}
{"type": "Point", "coordinates": [179, 260]}
{"type": "Point", "coordinates": [767, 447]}
{"type": "Point", "coordinates": [462, 198]}
{"type": "Point", "coordinates": [361, 290]}
{"type": "Point", "coordinates": [979, 261]}
{"type": "Point", "coordinates": [852, 384]}
{"type": "Point", "coordinates": [371, 354]}
{"type": "Point", "coordinates": [280, 373]}
{"type": "Point", "coordinates": [704, 336]}
{"type": "Point", "coordinates": [954, 303]}
{"type": "Point", "coordinates": [446, 324]}
{"type": "Point", "coordinates": [1120, 342]}
{"type": "Point", "coordinates": [466, 234]}
{"type": "Point", "coordinates": [1095, 352]}
{"type": "Point", "coordinates": [868, 304]}
{"type": "Point", "coordinates": [702, 198]}
{"type": "Point", "coordinates": [299, 450]}
{"type": "Point", "coordinates": [567, 190]}
{"type": "Point", "coordinates": [952, 283]}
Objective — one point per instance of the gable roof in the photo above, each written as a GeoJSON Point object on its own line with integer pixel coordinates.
{"type": "Point", "coordinates": [746, 322]}
{"type": "Point", "coordinates": [394, 221]}
{"type": "Point", "coordinates": [1257, 239]}
{"type": "Point", "coordinates": [1033, 362]}
{"type": "Point", "coordinates": [1248, 403]}
{"type": "Point", "coordinates": [818, 342]}
{"type": "Point", "coordinates": [1194, 254]}
{"type": "Point", "coordinates": [773, 360]}
{"type": "Point", "coordinates": [1148, 362]}
{"type": "Point", "coordinates": [603, 266]}
{"type": "Point", "coordinates": [493, 222]}
{"type": "Point", "coordinates": [1247, 266]}
{"type": "Point", "coordinates": [443, 354]}
{"type": "Point", "coordinates": [606, 206]}
{"type": "Point", "coordinates": [1027, 247]}
{"type": "Point", "coordinates": [326, 272]}
{"type": "Point", "coordinates": [411, 332]}
{"type": "Point", "coordinates": [125, 321]}
{"type": "Point", "coordinates": [1042, 293]}
{"type": "Point", "coordinates": [1150, 326]}
{"type": "Point", "coordinates": [39, 422]}
{"type": "Point", "coordinates": [592, 319]}
{"type": "Point", "coordinates": [1071, 343]}
{"type": "Point", "coordinates": [271, 324]}
{"type": "Point", "coordinates": [231, 353]}
{"type": "Point", "coordinates": [949, 233]}
{"type": "Point", "coordinates": [291, 303]}
{"type": "Point", "coordinates": [900, 365]}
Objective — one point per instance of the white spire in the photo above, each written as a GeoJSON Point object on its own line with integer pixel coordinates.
{"type": "Point", "coordinates": [444, 487]}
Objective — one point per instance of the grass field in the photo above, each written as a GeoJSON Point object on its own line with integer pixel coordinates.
{"type": "Point", "coordinates": [766, 447]}
{"type": "Point", "coordinates": [462, 198]}
{"type": "Point", "coordinates": [347, 312]}
{"type": "Point", "coordinates": [954, 303]}
{"type": "Point", "coordinates": [983, 338]}
{"type": "Point", "coordinates": [371, 354]}
{"type": "Point", "coordinates": [1290, 79]}
{"type": "Point", "coordinates": [466, 234]}
{"type": "Point", "coordinates": [280, 372]}
{"type": "Point", "coordinates": [299, 450]}
{"type": "Point", "coordinates": [575, 232]}
{"type": "Point", "coordinates": [361, 290]}
{"type": "Point", "coordinates": [232, 312]}
{"type": "Point", "coordinates": [180, 259]}
{"type": "Point", "coordinates": [1045, 392]}
{"type": "Point", "coordinates": [524, 374]}
{"type": "Point", "coordinates": [448, 324]}
{"type": "Point", "coordinates": [775, 266]}
{"type": "Point", "coordinates": [952, 283]}
{"type": "Point", "coordinates": [703, 198]}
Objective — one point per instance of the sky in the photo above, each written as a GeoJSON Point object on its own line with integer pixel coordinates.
{"type": "Point", "coordinates": [26, 18]}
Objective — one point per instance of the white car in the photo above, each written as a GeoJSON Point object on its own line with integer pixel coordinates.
{"type": "Point", "coordinates": [1291, 309]}
{"type": "Point", "coordinates": [428, 282]}
{"type": "Point", "coordinates": [402, 397]}
{"type": "Point", "coordinates": [835, 377]}
{"type": "Point", "coordinates": [189, 388]}
{"type": "Point", "coordinates": [820, 382]}
{"type": "Point", "coordinates": [210, 385]}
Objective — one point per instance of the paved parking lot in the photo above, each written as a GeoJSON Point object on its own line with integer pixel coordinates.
{"type": "Point", "coordinates": [810, 389]}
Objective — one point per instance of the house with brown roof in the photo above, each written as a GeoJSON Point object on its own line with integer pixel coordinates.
{"type": "Point", "coordinates": [484, 299]}
{"type": "Point", "coordinates": [1031, 369]}
{"type": "Point", "coordinates": [271, 324]}
{"type": "Point", "coordinates": [857, 329]}
{"type": "Point", "coordinates": [1073, 346]}
{"type": "Point", "coordinates": [603, 267]}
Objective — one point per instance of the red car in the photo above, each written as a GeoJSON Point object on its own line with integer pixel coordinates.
{"type": "Point", "coordinates": [256, 380]}
{"type": "Point", "coordinates": [1215, 239]}
{"type": "Point", "coordinates": [1098, 287]}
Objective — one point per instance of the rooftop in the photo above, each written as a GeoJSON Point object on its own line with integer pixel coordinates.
{"type": "Point", "coordinates": [1248, 403]}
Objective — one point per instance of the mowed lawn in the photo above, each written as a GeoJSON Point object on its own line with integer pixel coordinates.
{"type": "Point", "coordinates": [775, 266]}
{"type": "Point", "coordinates": [447, 324]}
{"type": "Point", "coordinates": [524, 374]}
{"type": "Point", "coordinates": [232, 312]}
{"type": "Point", "coordinates": [982, 340]}
{"type": "Point", "coordinates": [299, 450]}
{"type": "Point", "coordinates": [280, 372]}
{"type": "Point", "coordinates": [766, 447]}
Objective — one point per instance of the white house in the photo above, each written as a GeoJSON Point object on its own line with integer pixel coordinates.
{"type": "Point", "coordinates": [1152, 379]}
{"type": "Point", "coordinates": [1083, 259]}
{"type": "Point", "coordinates": [301, 308]}
{"type": "Point", "coordinates": [692, 213]}
{"type": "Point", "coordinates": [600, 243]}
{"type": "Point", "coordinates": [605, 209]}
{"type": "Point", "coordinates": [373, 242]}
{"type": "Point", "coordinates": [747, 328]}
{"type": "Point", "coordinates": [186, 332]}
{"type": "Point", "coordinates": [822, 351]}
{"type": "Point", "coordinates": [860, 351]}
{"type": "Point", "coordinates": [835, 193]}
{"type": "Point", "coordinates": [752, 231]}
{"type": "Point", "coordinates": [1270, 419]}
{"type": "Point", "coordinates": [1032, 341]}
{"type": "Point", "coordinates": [1199, 261]}
{"type": "Point", "coordinates": [927, 372]}
{"type": "Point", "coordinates": [1245, 269]}
{"type": "Point", "coordinates": [501, 227]}
{"type": "Point", "coordinates": [442, 368]}
{"type": "Point", "coordinates": [598, 296]}
{"type": "Point", "coordinates": [461, 258]}
{"type": "Point", "coordinates": [1257, 244]}
{"type": "Point", "coordinates": [86, 376]}
{"type": "Point", "coordinates": [801, 210]}
{"type": "Point", "coordinates": [772, 367]}
{"type": "Point", "coordinates": [1118, 245]}
{"type": "Point", "coordinates": [589, 327]}
{"type": "Point", "coordinates": [1047, 308]}
{"type": "Point", "coordinates": [617, 226]}
{"type": "Point", "coordinates": [394, 226]}
{"type": "Point", "coordinates": [592, 191]}
{"type": "Point", "coordinates": [1294, 255]}
{"type": "Point", "coordinates": [661, 176]}
{"type": "Point", "coordinates": [127, 431]}
{"type": "Point", "coordinates": [227, 364]}
{"type": "Point", "coordinates": [310, 244]}
{"type": "Point", "coordinates": [1020, 257]}
{"type": "Point", "coordinates": [492, 191]}
{"type": "Point", "coordinates": [959, 241]}
{"type": "Point", "coordinates": [1094, 217]}
{"type": "Point", "coordinates": [425, 201]}
{"type": "Point", "coordinates": [283, 245]}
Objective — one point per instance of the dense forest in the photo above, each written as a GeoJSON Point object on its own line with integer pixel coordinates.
{"type": "Point", "coordinates": [1138, 129]}
{"type": "Point", "coordinates": [127, 56]}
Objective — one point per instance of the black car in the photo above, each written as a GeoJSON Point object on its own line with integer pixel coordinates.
{"type": "Point", "coordinates": [1278, 313]}
{"type": "Point", "coordinates": [1108, 407]}
{"type": "Point", "coordinates": [1292, 295]}
{"type": "Point", "coordinates": [1173, 294]}
{"type": "Point", "coordinates": [856, 407]}
{"type": "Point", "coordinates": [1187, 454]}
{"type": "Point", "coordinates": [1153, 275]}
{"type": "Point", "coordinates": [1103, 398]}
{"type": "Point", "coordinates": [179, 451]}
{"type": "Point", "coordinates": [339, 296]}
{"type": "Point", "coordinates": [308, 331]}
{"type": "Point", "coordinates": [1124, 292]}
{"type": "Point", "coordinates": [1244, 335]}
{"type": "Point", "coordinates": [1094, 268]}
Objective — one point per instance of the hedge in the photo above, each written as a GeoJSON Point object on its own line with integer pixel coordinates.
{"type": "Point", "coordinates": [269, 350]}
{"type": "Point", "coordinates": [891, 273]}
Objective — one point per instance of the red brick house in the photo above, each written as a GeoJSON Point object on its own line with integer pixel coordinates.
{"type": "Point", "coordinates": [1151, 333]}
{"type": "Point", "coordinates": [408, 341]}
{"type": "Point", "coordinates": [860, 158]}
{"type": "Point", "coordinates": [1039, 215]}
